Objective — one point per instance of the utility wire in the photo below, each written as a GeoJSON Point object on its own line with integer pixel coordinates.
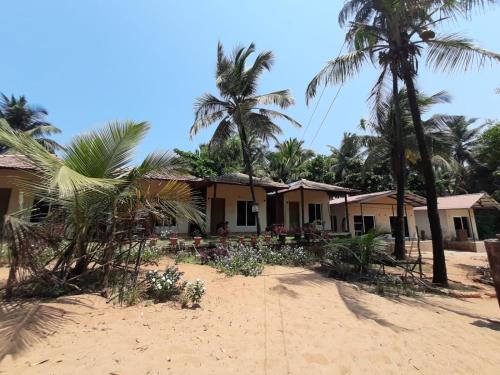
{"type": "Point", "coordinates": [313, 113]}
{"type": "Point", "coordinates": [326, 114]}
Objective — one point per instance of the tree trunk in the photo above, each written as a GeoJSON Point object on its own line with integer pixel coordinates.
{"type": "Point", "coordinates": [248, 165]}
{"type": "Point", "coordinates": [439, 263]}
{"type": "Point", "coordinates": [399, 172]}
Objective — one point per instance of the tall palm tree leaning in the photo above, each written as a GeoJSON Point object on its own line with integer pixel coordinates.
{"type": "Point", "coordinates": [395, 33]}
{"type": "Point", "coordinates": [240, 110]}
{"type": "Point", "coordinates": [28, 119]}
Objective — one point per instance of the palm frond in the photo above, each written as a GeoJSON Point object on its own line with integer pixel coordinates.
{"type": "Point", "coordinates": [282, 98]}
{"type": "Point", "coordinates": [453, 52]}
{"type": "Point", "coordinates": [276, 114]}
{"type": "Point", "coordinates": [337, 71]}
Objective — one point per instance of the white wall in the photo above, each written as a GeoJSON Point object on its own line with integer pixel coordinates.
{"type": "Point", "coordinates": [447, 224]}
{"type": "Point", "coordinates": [381, 209]}
{"type": "Point", "coordinates": [310, 196]}
{"type": "Point", "coordinates": [232, 194]}
{"type": "Point", "coordinates": [155, 187]}
{"type": "Point", "coordinates": [20, 197]}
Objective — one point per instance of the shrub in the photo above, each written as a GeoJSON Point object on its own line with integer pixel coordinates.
{"type": "Point", "coordinates": [286, 255]}
{"type": "Point", "coordinates": [195, 291]}
{"type": "Point", "coordinates": [185, 257]}
{"type": "Point", "coordinates": [164, 286]}
{"type": "Point", "coordinates": [240, 260]}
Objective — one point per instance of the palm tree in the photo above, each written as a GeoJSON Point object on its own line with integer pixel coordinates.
{"type": "Point", "coordinates": [240, 110]}
{"type": "Point", "coordinates": [348, 157]}
{"type": "Point", "coordinates": [287, 164]}
{"type": "Point", "coordinates": [28, 119]}
{"type": "Point", "coordinates": [93, 185]}
{"type": "Point", "coordinates": [393, 34]}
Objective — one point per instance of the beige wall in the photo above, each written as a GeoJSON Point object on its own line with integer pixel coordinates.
{"type": "Point", "coordinates": [181, 225]}
{"type": "Point", "coordinates": [310, 196]}
{"type": "Point", "coordinates": [20, 197]}
{"type": "Point", "coordinates": [446, 220]}
{"type": "Point", "coordinates": [232, 194]}
{"type": "Point", "coordinates": [381, 209]}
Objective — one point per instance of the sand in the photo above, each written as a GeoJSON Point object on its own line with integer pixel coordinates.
{"type": "Point", "coordinates": [288, 321]}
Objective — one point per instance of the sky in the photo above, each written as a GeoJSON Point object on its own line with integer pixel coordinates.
{"type": "Point", "coordinates": [93, 61]}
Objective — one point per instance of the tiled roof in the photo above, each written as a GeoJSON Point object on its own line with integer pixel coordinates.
{"type": "Point", "coordinates": [15, 161]}
{"type": "Point", "coordinates": [413, 199]}
{"type": "Point", "coordinates": [243, 179]}
{"type": "Point", "coordinates": [169, 175]}
{"type": "Point", "coordinates": [313, 185]}
{"type": "Point", "coordinates": [479, 200]}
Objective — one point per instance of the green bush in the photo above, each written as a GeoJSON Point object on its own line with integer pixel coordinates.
{"type": "Point", "coordinates": [195, 291]}
{"type": "Point", "coordinates": [164, 286]}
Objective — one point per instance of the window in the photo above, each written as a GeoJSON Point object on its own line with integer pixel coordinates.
{"type": "Point", "coordinates": [334, 221]}
{"type": "Point", "coordinates": [462, 223]}
{"type": "Point", "coordinates": [315, 213]}
{"type": "Point", "coordinates": [393, 226]}
{"type": "Point", "coordinates": [39, 211]}
{"type": "Point", "coordinates": [363, 224]}
{"type": "Point", "coordinates": [244, 216]}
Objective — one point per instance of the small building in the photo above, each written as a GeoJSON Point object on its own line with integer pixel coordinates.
{"type": "Point", "coordinates": [228, 198]}
{"type": "Point", "coordinates": [457, 215]}
{"type": "Point", "coordinates": [15, 173]}
{"type": "Point", "coordinates": [304, 202]}
{"type": "Point", "coordinates": [375, 211]}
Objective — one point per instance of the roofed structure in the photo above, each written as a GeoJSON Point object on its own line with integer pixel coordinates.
{"type": "Point", "coordinates": [244, 179]}
{"type": "Point", "coordinates": [410, 198]}
{"type": "Point", "coordinates": [466, 201]}
{"type": "Point", "coordinates": [317, 186]}
{"type": "Point", "coordinates": [15, 161]}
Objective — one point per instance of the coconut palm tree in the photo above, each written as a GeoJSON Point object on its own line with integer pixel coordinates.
{"type": "Point", "coordinates": [92, 185]}
{"type": "Point", "coordinates": [28, 119]}
{"type": "Point", "coordinates": [392, 35]}
{"type": "Point", "coordinates": [287, 164]}
{"type": "Point", "coordinates": [347, 158]}
{"type": "Point", "coordinates": [240, 110]}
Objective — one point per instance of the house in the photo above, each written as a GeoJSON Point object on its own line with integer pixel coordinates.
{"type": "Point", "coordinates": [15, 171]}
{"type": "Point", "coordinates": [228, 198]}
{"type": "Point", "coordinates": [304, 202]}
{"type": "Point", "coordinates": [373, 211]}
{"type": "Point", "coordinates": [458, 216]}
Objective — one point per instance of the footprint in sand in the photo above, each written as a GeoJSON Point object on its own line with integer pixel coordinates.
{"type": "Point", "coordinates": [316, 358]}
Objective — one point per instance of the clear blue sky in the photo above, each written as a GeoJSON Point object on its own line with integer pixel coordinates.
{"type": "Point", "coordinates": [92, 61]}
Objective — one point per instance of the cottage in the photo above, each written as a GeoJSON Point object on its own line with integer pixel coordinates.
{"type": "Point", "coordinates": [375, 211]}
{"type": "Point", "coordinates": [304, 202]}
{"type": "Point", "coordinates": [15, 173]}
{"type": "Point", "coordinates": [458, 214]}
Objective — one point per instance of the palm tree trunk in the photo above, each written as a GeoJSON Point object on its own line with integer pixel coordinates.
{"type": "Point", "coordinates": [248, 166]}
{"type": "Point", "coordinates": [439, 263]}
{"type": "Point", "coordinates": [399, 172]}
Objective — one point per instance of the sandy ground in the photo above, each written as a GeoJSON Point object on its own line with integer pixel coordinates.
{"type": "Point", "coordinates": [289, 321]}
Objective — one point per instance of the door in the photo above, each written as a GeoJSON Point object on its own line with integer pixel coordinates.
{"type": "Point", "coordinates": [294, 214]}
{"type": "Point", "coordinates": [4, 205]}
{"type": "Point", "coordinates": [462, 228]}
{"type": "Point", "coordinates": [217, 214]}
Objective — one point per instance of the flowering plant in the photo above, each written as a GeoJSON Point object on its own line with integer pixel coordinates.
{"type": "Point", "coordinates": [195, 291]}
{"type": "Point", "coordinates": [163, 286]}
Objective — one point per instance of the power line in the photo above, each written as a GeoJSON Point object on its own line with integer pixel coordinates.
{"type": "Point", "coordinates": [314, 112]}
{"type": "Point", "coordinates": [317, 104]}
{"type": "Point", "coordinates": [326, 114]}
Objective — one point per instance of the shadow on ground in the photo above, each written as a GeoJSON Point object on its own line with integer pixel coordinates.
{"type": "Point", "coordinates": [24, 323]}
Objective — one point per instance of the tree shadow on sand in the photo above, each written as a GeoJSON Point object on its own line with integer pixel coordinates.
{"type": "Point", "coordinates": [352, 300]}
{"type": "Point", "coordinates": [350, 296]}
{"type": "Point", "coordinates": [24, 323]}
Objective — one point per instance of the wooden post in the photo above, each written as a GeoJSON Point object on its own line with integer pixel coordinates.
{"type": "Point", "coordinates": [362, 218]}
{"type": "Point", "coordinates": [471, 227]}
{"type": "Point", "coordinates": [347, 213]}
{"type": "Point", "coordinates": [302, 205]}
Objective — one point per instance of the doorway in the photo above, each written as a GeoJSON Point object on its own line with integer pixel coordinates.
{"type": "Point", "coordinates": [217, 214]}
{"type": "Point", "coordinates": [4, 205]}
